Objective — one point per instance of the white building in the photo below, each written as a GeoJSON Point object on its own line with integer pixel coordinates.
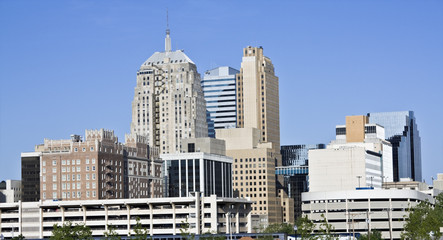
{"type": "Point", "coordinates": [10, 191]}
{"type": "Point", "coordinates": [168, 100]}
{"type": "Point", "coordinates": [202, 167]}
{"type": "Point", "coordinates": [359, 157]}
{"type": "Point", "coordinates": [160, 216]}
{"type": "Point", "coordinates": [357, 211]}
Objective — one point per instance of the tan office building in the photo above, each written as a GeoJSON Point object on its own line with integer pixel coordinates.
{"type": "Point", "coordinates": [257, 96]}
{"type": "Point", "coordinates": [255, 144]}
{"type": "Point", "coordinates": [98, 168]}
{"type": "Point", "coordinates": [168, 100]}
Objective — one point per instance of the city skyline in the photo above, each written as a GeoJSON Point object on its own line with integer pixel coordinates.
{"type": "Point", "coordinates": [87, 54]}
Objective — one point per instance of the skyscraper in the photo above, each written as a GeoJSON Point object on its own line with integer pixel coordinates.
{"type": "Point", "coordinates": [257, 97]}
{"type": "Point", "coordinates": [219, 88]}
{"type": "Point", "coordinates": [255, 143]}
{"type": "Point", "coordinates": [168, 100]}
{"type": "Point", "coordinates": [401, 130]}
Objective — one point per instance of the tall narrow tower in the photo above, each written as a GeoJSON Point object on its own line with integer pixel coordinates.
{"type": "Point", "coordinates": [257, 97]}
{"type": "Point", "coordinates": [168, 100]}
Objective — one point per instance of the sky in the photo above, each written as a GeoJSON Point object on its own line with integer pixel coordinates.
{"type": "Point", "coordinates": [67, 66]}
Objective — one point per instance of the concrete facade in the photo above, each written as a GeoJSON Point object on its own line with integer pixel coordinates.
{"type": "Point", "coordinates": [168, 100]}
{"type": "Point", "coordinates": [356, 211]}
{"type": "Point", "coordinates": [258, 96]}
{"type": "Point", "coordinates": [10, 191]}
{"type": "Point", "coordinates": [161, 216]}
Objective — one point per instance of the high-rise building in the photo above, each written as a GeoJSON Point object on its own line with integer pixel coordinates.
{"type": "Point", "coordinates": [98, 167]}
{"type": "Point", "coordinates": [257, 96]}
{"type": "Point", "coordinates": [255, 143]}
{"type": "Point", "coordinates": [168, 100]}
{"type": "Point", "coordinates": [359, 157]}
{"type": "Point", "coordinates": [201, 167]}
{"type": "Point", "coordinates": [295, 171]}
{"type": "Point", "coordinates": [297, 155]}
{"type": "Point", "coordinates": [30, 176]}
{"type": "Point", "coordinates": [219, 88]}
{"type": "Point", "coordinates": [402, 132]}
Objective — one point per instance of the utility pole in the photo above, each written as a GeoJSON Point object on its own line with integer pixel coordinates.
{"type": "Point", "coordinates": [367, 220]}
{"type": "Point", "coordinates": [358, 181]}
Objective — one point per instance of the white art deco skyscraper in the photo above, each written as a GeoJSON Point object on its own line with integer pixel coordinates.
{"type": "Point", "coordinates": [168, 100]}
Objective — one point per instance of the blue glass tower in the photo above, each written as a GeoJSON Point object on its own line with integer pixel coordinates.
{"type": "Point", "coordinates": [401, 131]}
{"type": "Point", "coordinates": [219, 88]}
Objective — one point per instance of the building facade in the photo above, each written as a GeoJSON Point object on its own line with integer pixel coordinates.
{"type": "Point", "coordinates": [168, 100]}
{"type": "Point", "coordinates": [385, 210]}
{"type": "Point", "coordinates": [30, 176]}
{"type": "Point", "coordinates": [98, 167]}
{"type": "Point", "coordinates": [202, 167]}
{"type": "Point", "coordinates": [258, 97]}
{"type": "Point", "coordinates": [402, 132]}
{"type": "Point", "coordinates": [10, 191]}
{"type": "Point", "coordinates": [219, 88]}
{"type": "Point", "coordinates": [359, 157]}
{"type": "Point", "coordinates": [297, 155]}
{"type": "Point", "coordinates": [160, 216]}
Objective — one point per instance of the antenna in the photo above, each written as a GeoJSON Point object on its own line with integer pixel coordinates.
{"type": "Point", "coordinates": [167, 20]}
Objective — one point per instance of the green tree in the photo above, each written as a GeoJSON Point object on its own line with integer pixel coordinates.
{"type": "Point", "coordinates": [280, 228]}
{"type": "Point", "coordinates": [305, 227]}
{"type": "Point", "coordinates": [71, 232]}
{"type": "Point", "coordinates": [140, 233]}
{"type": "Point", "coordinates": [375, 235]}
{"type": "Point", "coordinates": [19, 237]}
{"type": "Point", "coordinates": [111, 234]}
{"type": "Point", "coordinates": [327, 229]}
{"type": "Point", "coordinates": [185, 230]}
{"type": "Point", "coordinates": [424, 221]}
{"type": "Point", "coordinates": [211, 236]}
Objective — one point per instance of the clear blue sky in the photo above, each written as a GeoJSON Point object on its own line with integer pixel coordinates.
{"type": "Point", "coordinates": [70, 65]}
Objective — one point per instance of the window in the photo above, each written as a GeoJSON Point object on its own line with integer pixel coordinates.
{"type": "Point", "coordinates": [54, 195]}
{"type": "Point", "coordinates": [63, 169]}
{"type": "Point", "coordinates": [93, 186]}
{"type": "Point", "coordinates": [78, 169]}
{"type": "Point", "coordinates": [93, 168]}
{"type": "Point", "coordinates": [93, 161]}
{"type": "Point", "coordinates": [64, 177]}
{"type": "Point", "coordinates": [93, 194]}
{"type": "Point", "coordinates": [87, 185]}
{"type": "Point", "coordinates": [84, 149]}
{"type": "Point", "coordinates": [79, 177]}
{"type": "Point", "coordinates": [44, 187]}
{"type": "Point", "coordinates": [44, 178]}
{"type": "Point", "coordinates": [44, 170]}
{"type": "Point", "coordinates": [54, 162]}
{"type": "Point", "coordinates": [75, 149]}
{"type": "Point", "coordinates": [78, 186]}
{"type": "Point", "coordinates": [44, 163]}
{"type": "Point", "coordinates": [87, 160]}
{"type": "Point", "coordinates": [54, 178]}
{"type": "Point", "coordinates": [78, 161]}
{"type": "Point", "coordinates": [54, 170]}
{"type": "Point", "coordinates": [54, 186]}
{"type": "Point", "coordinates": [87, 176]}
{"type": "Point", "coordinates": [73, 162]}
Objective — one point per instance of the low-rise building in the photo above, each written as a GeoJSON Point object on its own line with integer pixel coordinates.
{"type": "Point", "coordinates": [160, 216]}
{"type": "Point", "coordinates": [356, 211]}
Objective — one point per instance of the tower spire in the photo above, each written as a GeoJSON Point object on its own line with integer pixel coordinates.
{"type": "Point", "coordinates": [167, 39]}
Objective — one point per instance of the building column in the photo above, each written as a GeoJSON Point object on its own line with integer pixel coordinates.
{"type": "Point", "coordinates": [84, 214]}
{"type": "Point", "coordinates": [237, 218]}
{"type": "Point", "coordinates": [41, 220]}
{"type": "Point", "coordinates": [63, 214]}
{"type": "Point", "coordinates": [20, 211]}
{"type": "Point", "coordinates": [249, 217]}
{"type": "Point", "coordinates": [128, 214]}
{"type": "Point", "coordinates": [106, 218]}
{"type": "Point", "coordinates": [151, 227]}
{"type": "Point", "coordinates": [173, 219]}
